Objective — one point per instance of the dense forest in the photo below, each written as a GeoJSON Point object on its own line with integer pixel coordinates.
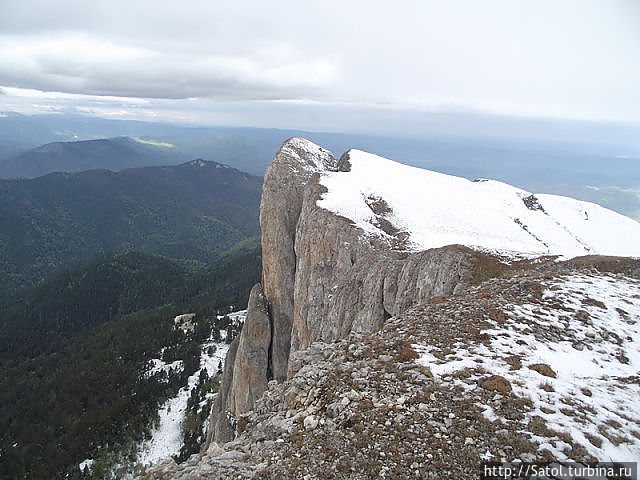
{"type": "Point", "coordinates": [193, 213]}
{"type": "Point", "coordinates": [73, 350]}
{"type": "Point", "coordinates": [94, 266]}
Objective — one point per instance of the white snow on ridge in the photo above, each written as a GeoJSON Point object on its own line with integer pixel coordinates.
{"type": "Point", "coordinates": [314, 158]}
{"type": "Point", "coordinates": [438, 210]}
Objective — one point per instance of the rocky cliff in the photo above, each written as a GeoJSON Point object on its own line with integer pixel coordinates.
{"type": "Point", "coordinates": [538, 366]}
{"type": "Point", "coordinates": [323, 279]}
{"type": "Point", "coordinates": [348, 243]}
{"type": "Point", "coordinates": [365, 355]}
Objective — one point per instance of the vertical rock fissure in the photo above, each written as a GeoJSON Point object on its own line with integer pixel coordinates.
{"type": "Point", "coordinates": [270, 349]}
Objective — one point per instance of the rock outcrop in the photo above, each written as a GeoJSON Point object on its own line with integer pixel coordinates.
{"type": "Point", "coordinates": [323, 279]}
{"type": "Point", "coordinates": [285, 181]}
{"type": "Point", "coordinates": [363, 358]}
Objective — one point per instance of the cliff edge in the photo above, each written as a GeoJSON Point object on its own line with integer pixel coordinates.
{"type": "Point", "coordinates": [391, 296]}
{"type": "Point", "coordinates": [349, 243]}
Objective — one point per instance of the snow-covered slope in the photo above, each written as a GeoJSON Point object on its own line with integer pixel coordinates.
{"type": "Point", "coordinates": [167, 438]}
{"type": "Point", "coordinates": [575, 355]}
{"type": "Point", "coordinates": [429, 209]}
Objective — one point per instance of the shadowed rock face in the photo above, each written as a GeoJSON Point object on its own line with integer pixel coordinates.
{"type": "Point", "coordinates": [220, 427]}
{"type": "Point", "coordinates": [321, 279]}
{"type": "Point", "coordinates": [252, 357]}
{"type": "Point", "coordinates": [245, 373]}
{"type": "Point", "coordinates": [282, 196]}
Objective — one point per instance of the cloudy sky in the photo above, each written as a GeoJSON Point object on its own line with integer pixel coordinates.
{"type": "Point", "coordinates": [315, 64]}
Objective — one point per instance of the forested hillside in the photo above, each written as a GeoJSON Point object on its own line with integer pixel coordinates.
{"type": "Point", "coordinates": [192, 212]}
{"type": "Point", "coordinates": [73, 353]}
{"type": "Point", "coordinates": [94, 266]}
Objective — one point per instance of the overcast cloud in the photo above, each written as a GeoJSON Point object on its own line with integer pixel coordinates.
{"type": "Point", "coordinates": [553, 58]}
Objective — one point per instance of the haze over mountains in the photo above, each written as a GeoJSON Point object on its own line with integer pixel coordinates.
{"type": "Point", "coordinates": [111, 154]}
{"type": "Point", "coordinates": [598, 163]}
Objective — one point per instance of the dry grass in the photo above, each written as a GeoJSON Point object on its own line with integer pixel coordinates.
{"type": "Point", "coordinates": [547, 387]}
{"type": "Point", "coordinates": [514, 361]}
{"type": "Point", "coordinates": [595, 441]}
{"type": "Point", "coordinates": [496, 383]}
{"type": "Point", "coordinates": [404, 352]}
{"type": "Point", "coordinates": [593, 303]}
{"type": "Point", "coordinates": [538, 426]}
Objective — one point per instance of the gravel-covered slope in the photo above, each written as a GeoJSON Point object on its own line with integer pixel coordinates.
{"type": "Point", "coordinates": [471, 377]}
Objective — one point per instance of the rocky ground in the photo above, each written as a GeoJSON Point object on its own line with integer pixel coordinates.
{"type": "Point", "coordinates": [541, 366]}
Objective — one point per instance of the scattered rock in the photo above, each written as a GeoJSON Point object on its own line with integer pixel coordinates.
{"type": "Point", "coordinates": [543, 369]}
{"type": "Point", "coordinates": [310, 422]}
{"type": "Point", "coordinates": [496, 383]}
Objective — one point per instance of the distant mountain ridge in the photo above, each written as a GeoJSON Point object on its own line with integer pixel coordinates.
{"type": "Point", "coordinates": [606, 172]}
{"type": "Point", "coordinates": [191, 212]}
{"type": "Point", "coordinates": [112, 154]}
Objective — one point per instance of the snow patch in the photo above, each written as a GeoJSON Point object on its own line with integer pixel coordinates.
{"type": "Point", "coordinates": [314, 158]}
{"type": "Point", "coordinates": [166, 439]}
{"type": "Point", "coordinates": [88, 463]}
{"type": "Point", "coordinates": [185, 322]}
{"type": "Point", "coordinates": [237, 318]}
{"type": "Point", "coordinates": [157, 366]}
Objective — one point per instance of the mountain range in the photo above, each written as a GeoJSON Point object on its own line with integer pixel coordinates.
{"type": "Point", "coordinates": [390, 298]}
{"type": "Point", "coordinates": [191, 212]}
{"type": "Point", "coordinates": [111, 154]}
{"type": "Point", "coordinates": [593, 163]}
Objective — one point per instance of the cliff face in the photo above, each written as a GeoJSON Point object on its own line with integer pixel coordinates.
{"type": "Point", "coordinates": [349, 243]}
{"type": "Point", "coordinates": [322, 279]}
{"type": "Point", "coordinates": [362, 355]}
{"type": "Point", "coordinates": [346, 282]}
{"type": "Point", "coordinates": [285, 181]}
